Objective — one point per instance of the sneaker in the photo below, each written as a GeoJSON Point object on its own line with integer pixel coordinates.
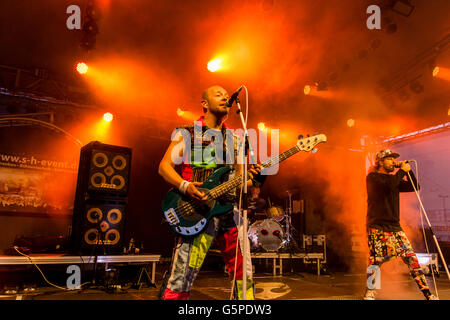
{"type": "Point", "coordinates": [369, 295]}
{"type": "Point", "coordinates": [432, 297]}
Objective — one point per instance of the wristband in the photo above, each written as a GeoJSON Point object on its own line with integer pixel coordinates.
{"type": "Point", "coordinates": [183, 186]}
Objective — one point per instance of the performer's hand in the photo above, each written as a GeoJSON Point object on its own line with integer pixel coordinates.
{"type": "Point", "coordinates": [405, 166]}
{"type": "Point", "coordinates": [254, 170]}
{"type": "Point", "coordinates": [194, 193]}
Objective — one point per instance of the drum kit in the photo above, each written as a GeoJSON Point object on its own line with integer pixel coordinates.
{"type": "Point", "coordinates": [272, 231]}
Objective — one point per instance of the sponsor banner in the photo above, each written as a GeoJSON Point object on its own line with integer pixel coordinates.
{"type": "Point", "coordinates": [30, 184]}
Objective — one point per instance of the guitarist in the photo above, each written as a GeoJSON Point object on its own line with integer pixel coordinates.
{"type": "Point", "coordinates": [189, 253]}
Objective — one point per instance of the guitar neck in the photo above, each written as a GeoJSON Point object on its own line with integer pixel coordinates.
{"type": "Point", "coordinates": [237, 181]}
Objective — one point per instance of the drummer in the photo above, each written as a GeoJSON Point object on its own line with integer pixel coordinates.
{"type": "Point", "coordinates": [256, 205]}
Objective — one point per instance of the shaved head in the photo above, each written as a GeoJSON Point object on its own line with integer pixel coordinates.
{"type": "Point", "coordinates": [212, 91]}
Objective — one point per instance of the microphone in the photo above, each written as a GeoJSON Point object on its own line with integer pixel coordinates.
{"type": "Point", "coordinates": [234, 97]}
{"type": "Point", "coordinates": [398, 165]}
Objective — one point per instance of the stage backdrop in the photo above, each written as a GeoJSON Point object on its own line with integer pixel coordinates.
{"type": "Point", "coordinates": [432, 154]}
{"type": "Point", "coordinates": [38, 173]}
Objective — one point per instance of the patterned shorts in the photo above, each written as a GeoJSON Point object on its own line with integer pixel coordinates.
{"type": "Point", "coordinates": [385, 246]}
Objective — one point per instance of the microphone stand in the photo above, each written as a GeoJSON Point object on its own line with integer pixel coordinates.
{"type": "Point", "coordinates": [431, 229]}
{"type": "Point", "coordinates": [245, 204]}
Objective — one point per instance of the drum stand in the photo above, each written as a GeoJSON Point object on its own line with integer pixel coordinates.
{"type": "Point", "coordinates": [289, 228]}
{"type": "Point", "coordinates": [289, 242]}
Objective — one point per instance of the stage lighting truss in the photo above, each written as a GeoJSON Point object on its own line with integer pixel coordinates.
{"type": "Point", "coordinates": [90, 27]}
{"type": "Point", "coordinates": [416, 134]}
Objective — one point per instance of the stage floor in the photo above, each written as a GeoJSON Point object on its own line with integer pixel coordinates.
{"type": "Point", "coordinates": [215, 285]}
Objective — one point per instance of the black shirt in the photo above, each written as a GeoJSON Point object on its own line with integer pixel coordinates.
{"type": "Point", "coordinates": [383, 199]}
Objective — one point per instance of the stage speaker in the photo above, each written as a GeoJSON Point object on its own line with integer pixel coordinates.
{"type": "Point", "coordinates": [101, 199]}
{"type": "Point", "coordinates": [98, 227]}
{"type": "Point", "coordinates": [104, 170]}
{"type": "Point", "coordinates": [313, 222]}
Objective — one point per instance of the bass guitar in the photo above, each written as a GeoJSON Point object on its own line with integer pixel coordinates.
{"type": "Point", "coordinates": [188, 217]}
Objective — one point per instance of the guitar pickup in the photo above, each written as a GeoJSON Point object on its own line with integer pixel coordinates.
{"type": "Point", "coordinates": [171, 217]}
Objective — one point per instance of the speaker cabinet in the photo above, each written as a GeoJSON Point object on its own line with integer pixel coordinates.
{"type": "Point", "coordinates": [104, 170]}
{"type": "Point", "coordinates": [99, 224]}
{"type": "Point", "coordinates": [101, 199]}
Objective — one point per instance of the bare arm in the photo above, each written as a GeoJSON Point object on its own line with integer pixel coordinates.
{"type": "Point", "coordinates": [167, 166]}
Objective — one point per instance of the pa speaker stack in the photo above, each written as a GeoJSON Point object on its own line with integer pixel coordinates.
{"type": "Point", "coordinates": [101, 199]}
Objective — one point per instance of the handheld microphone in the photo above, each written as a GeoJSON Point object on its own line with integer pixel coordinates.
{"type": "Point", "coordinates": [398, 164]}
{"type": "Point", "coordinates": [234, 97]}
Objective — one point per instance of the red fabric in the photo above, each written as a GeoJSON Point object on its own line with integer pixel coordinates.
{"type": "Point", "coordinates": [227, 245]}
{"type": "Point", "coordinates": [202, 119]}
{"type": "Point", "coordinates": [172, 295]}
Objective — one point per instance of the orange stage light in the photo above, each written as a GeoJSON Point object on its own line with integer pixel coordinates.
{"type": "Point", "coordinates": [312, 90]}
{"type": "Point", "coordinates": [441, 73]}
{"type": "Point", "coordinates": [215, 64]}
{"type": "Point", "coordinates": [82, 67]}
{"type": "Point", "coordinates": [435, 71]}
{"type": "Point", "coordinates": [307, 89]}
{"type": "Point", "coordinates": [180, 112]}
{"type": "Point", "coordinates": [187, 115]}
{"type": "Point", "coordinates": [261, 126]}
{"type": "Point", "coordinates": [108, 117]}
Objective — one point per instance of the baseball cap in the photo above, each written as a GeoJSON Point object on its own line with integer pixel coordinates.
{"type": "Point", "coordinates": [386, 153]}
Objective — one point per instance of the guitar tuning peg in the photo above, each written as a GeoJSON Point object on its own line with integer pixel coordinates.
{"type": "Point", "coordinates": [308, 135]}
{"type": "Point", "coordinates": [300, 136]}
{"type": "Point", "coordinates": [314, 150]}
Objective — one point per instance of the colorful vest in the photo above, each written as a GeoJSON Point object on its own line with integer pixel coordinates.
{"type": "Point", "coordinates": [192, 170]}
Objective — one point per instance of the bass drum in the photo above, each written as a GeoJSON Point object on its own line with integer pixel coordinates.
{"type": "Point", "coordinates": [266, 234]}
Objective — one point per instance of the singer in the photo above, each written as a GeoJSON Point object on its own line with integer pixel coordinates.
{"type": "Point", "coordinates": [386, 238]}
{"type": "Point", "coordinates": [189, 253]}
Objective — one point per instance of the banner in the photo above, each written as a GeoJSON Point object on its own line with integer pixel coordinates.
{"type": "Point", "coordinates": [31, 184]}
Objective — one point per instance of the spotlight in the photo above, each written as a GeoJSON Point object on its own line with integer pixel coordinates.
{"type": "Point", "coordinates": [108, 117]}
{"type": "Point", "coordinates": [403, 7]}
{"type": "Point", "coordinates": [82, 67]}
{"type": "Point", "coordinates": [90, 27]}
{"type": "Point", "coordinates": [215, 65]}
{"type": "Point", "coordinates": [435, 71]}
{"type": "Point", "coordinates": [180, 112]}
{"type": "Point", "coordinates": [307, 89]}
{"type": "Point", "coordinates": [261, 126]}
{"type": "Point", "coordinates": [350, 123]}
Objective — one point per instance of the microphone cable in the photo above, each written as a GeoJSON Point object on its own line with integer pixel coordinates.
{"type": "Point", "coordinates": [43, 276]}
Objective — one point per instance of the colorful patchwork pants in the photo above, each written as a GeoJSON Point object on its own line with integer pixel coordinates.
{"type": "Point", "coordinates": [385, 246]}
{"type": "Point", "coordinates": [189, 255]}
